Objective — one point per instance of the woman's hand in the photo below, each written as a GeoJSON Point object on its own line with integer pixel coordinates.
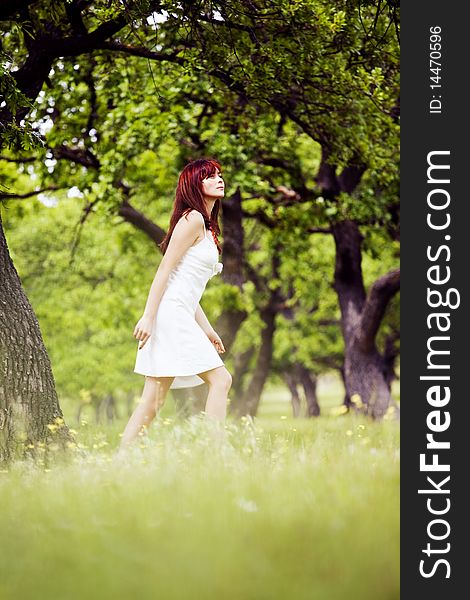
{"type": "Point", "coordinates": [143, 330]}
{"type": "Point", "coordinates": [215, 339]}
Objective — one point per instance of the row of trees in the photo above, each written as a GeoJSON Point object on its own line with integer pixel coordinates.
{"type": "Point", "coordinates": [299, 101]}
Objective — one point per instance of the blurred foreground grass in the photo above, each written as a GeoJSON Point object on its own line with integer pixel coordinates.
{"type": "Point", "coordinates": [282, 508]}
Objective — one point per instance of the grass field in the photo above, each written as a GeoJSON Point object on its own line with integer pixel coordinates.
{"type": "Point", "coordinates": [282, 508]}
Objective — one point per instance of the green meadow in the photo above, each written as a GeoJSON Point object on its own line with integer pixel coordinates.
{"type": "Point", "coordinates": [277, 508]}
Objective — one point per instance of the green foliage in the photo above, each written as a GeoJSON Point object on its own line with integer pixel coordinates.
{"type": "Point", "coordinates": [12, 135]}
{"type": "Point", "coordinates": [332, 67]}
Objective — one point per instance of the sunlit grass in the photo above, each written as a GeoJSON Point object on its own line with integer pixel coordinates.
{"type": "Point", "coordinates": [282, 508]}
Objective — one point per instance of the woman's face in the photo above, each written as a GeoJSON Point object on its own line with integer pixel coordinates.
{"type": "Point", "coordinates": [213, 186]}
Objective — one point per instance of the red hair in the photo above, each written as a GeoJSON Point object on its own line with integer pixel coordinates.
{"type": "Point", "coordinates": [189, 197]}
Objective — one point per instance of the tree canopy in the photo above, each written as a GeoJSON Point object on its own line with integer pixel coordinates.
{"type": "Point", "coordinates": [300, 103]}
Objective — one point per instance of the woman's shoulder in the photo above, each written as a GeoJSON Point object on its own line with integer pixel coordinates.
{"type": "Point", "coordinates": [194, 215]}
{"type": "Point", "coordinates": [194, 218]}
{"type": "Point", "coordinates": [189, 223]}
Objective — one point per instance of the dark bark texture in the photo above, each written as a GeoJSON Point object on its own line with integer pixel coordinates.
{"type": "Point", "coordinates": [367, 372]}
{"type": "Point", "coordinates": [28, 400]}
{"type": "Point", "coordinates": [231, 318]}
{"type": "Point", "coordinates": [309, 383]}
{"type": "Point", "coordinates": [248, 403]}
{"type": "Point", "coordinates": [298, 375]}
{"type": "Point", "coordinates": [291, 382]}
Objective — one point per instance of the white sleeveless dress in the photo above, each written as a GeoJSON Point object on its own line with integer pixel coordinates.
{"type": "Point", "coordinates": [178, 347]}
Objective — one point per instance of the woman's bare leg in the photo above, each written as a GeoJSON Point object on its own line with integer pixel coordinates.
{"type": "Point", "coordinates": [219, 381]}
{"type": "Point", "coordinates": [153, 398]}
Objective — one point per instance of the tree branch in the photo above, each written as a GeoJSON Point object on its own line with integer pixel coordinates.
{"type": "Point", "coordinates": [74, 16]}
{"type": "Point", "coordinates": [380, 294]}
{"type": "Point", "coordinates": [18, 160]}
{"type": "Point", "coordinates": [350, 177]}
{"type": "Point", "coordinates": [7, 196]}
{"type": "Point", "coordinates": [261, 217]}
{"type": "Point", "coordinates": [139, 220]}
{"type": "Point", "coordinates": [44, 49]}
{"type": "Point", "coordinates": [142, 52]}
{"type": "Point", "coordinates": [254, 276]}
{"type": "Point", "coordinates": [326, 176]}
{"type": "Point", "coordinates": [319, 230]}
{"type": "Point", "coordinates": [82, 157]}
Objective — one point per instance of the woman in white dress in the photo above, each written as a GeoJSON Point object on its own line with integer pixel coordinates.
{"type": "Point", "coordinates": [177, 345]}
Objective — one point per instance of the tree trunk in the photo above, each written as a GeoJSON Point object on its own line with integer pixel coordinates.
{"type": "Point", "coordinates": [111, 409]}
{"type": "Point", "coordinates": [232, 317]}
{"type": "Point", "coordinates": [366, 373]}
{"type": "Point", "coordinates": [346, 399]}
{"type": "Point", "coordinates": [241, 363]}
{"type": "Point", "coordinates": [309, 383]}
{"type": "Point", "coordinates": [299, 374]}
{"type": "Point", "coordinates": [190, 401]}
{"type": "Point", "coordinates": [28, 399]}
{"type": "Point", "coordinates": [248, 403]}
{"type": "Point", "coordinates": [291, 382]}
{"type": "Point", "coordinates": [366, 381]}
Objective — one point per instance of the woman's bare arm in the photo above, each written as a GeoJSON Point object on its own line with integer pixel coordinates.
{"type": "Point", "coordinates": [184, 235]}
{"type": "Point", "coordinates": [203, 321]}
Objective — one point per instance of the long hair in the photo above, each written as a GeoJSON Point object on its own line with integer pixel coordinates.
{"type": "Point", "coordinates": [189, 196]}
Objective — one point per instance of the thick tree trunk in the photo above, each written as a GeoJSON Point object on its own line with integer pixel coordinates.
{"type": "Point", "coordinates": [346, 399]}
{"type": "Point", "coordinates": [366, 372]}
{"type": "Point", "coordinates": [390, 355]}
{"type": "Point", "coordinates": [28, 399]}
{"type": "Point", "coordinates": [366, 381]}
